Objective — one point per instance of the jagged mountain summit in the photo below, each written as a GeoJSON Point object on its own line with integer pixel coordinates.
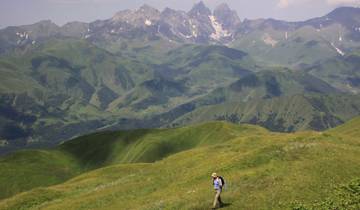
{"type": "Point", "coordinates": [336, 33]}
{"type": "Point", "coordinates": [199, 25]}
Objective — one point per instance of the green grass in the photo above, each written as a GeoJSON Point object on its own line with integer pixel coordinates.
{"type": "Point", "coordinates": [285, 113]}
{"type": "Point", "coordinates": [25, 170]}
{"type": "Point", "coordinates": [170, 168]}
{"type": "Point", "coordinates": [102, 149]}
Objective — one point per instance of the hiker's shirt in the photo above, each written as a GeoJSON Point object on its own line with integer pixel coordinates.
{"type": "Point", "coordinates": [217, 184]}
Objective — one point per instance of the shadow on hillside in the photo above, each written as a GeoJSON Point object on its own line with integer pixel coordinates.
{"type": "Point", "coordinates": [224, 205]}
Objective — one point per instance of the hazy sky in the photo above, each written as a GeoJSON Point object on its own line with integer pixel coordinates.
{"type": "Point", "coordinates": [18, 12]}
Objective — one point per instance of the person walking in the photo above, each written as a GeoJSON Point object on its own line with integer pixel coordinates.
{"type": "Point", "coordinates": [218, 185]}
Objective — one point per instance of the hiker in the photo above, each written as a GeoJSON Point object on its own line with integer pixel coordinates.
{"type": "Point", "coordinates": [218, 186]}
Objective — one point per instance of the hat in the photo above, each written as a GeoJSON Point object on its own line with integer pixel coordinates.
{"type": "Point", "coordinates": [214, 175]}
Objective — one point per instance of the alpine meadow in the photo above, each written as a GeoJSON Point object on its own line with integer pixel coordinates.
{"type": "Point", "coordinates": [155, 109]}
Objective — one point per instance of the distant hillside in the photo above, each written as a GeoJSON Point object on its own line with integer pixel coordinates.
{"type": "Point", "coordinates": [286, 113]}
{"type": "Point", "coordinates": [263, 170]}
{"type": "Point", "coordinates": [71, 87]}
{"type": "Point", "coordinates": [342, 72]}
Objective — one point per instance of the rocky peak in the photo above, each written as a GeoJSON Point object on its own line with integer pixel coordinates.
{"type": "Point", "coordinates": [146, 9]}
{"type": "Point", "coordinates": [144, 15]}
{"type": "Point", "coordinates": [222, 8]}
{"type": "Point", "coordinates": [147, 13]}
{"type": "Point", "coordinates": [345, 11]}
{"type": "Point", "coordinates": [348, 16]}
{"type": "Point", "coordinates": [170, 15]}
{"type": "Point", "coordinates": [44, 28]}
{"type": "Point", "coordinates": [200, 9]}
{"type": "Point", "coordinates": [226, 17]}
{"type": "Point", "coordinates": [168, 12]}
{"type": "Point", "coordinates": [122, 15]}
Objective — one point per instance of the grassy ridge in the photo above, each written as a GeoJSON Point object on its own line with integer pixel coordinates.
{"type": "Point", "coordinates": [286, 113]}
{"type": "Point", "coordinates": [263, 170]}
{"type": "Point", "coordinates": [146, 146]}
{"type": "Point", "coordinates": [25, 170]}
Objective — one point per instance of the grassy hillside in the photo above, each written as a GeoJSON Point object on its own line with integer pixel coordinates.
{"type": "Point", "coordinates": [342, 72]}
{"type": "Point", "coordinates": [25, 169]}
{"type": "Point", "coordinates": [263, 170]}
{"type": "Point", "coordinates": [47, 167]}
{"type": "Point", "coordinates": [286, 113]}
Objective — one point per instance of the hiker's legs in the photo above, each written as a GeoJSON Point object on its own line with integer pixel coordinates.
{"type": "Point", "coordinates": [217, 196]}
{"type": "Point", "coordinates": [219, 199]}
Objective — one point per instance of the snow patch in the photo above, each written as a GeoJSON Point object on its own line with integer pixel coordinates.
{"type": "Point", "coordinates": [33, 42]}
{"type": "Point", "coordinates": [194, 33]}
{"type": "Point", "coordinates": [269, 40]}
{"type": "Point", "coordinates": [87, 36]}
{"type": "Point", "coordinates": [337, 49]}
{"type": "Point", "coordinates": [340, 38]}
{"type": "Point", "coordinates": [187, 36]}
{"type": "Point", "coordinates": [22, 35]}
{"type": "Point", "coordinates": [320, 27]}
{"type": "Point", "coordinates": [219, 31]}
{"type": "Point", "coordinates": [148, 22]}
{"type": "Point", "coordinates": [286, 35]}
{"type": "Point", "coordinates": [192, 25]}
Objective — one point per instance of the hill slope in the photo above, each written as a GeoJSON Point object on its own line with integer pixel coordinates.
{"type": "Point", "coordinates": [263, 170]}
{"type": "Point", "coordinates": [25, 170]}
{"type": "Point", "coordinates": [286, 113]}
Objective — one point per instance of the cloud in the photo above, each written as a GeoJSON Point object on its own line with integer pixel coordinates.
{"type": "Point", "coordinates": [283, 4]}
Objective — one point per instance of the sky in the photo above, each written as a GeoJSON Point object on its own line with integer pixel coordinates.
{"type": "Point", "coordinates": [22, 12]}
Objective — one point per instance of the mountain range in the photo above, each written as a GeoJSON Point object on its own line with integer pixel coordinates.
{"type": "Point", "coordinates": [335, 33]}
{"type": "Point", "coordinates": [146, 68]}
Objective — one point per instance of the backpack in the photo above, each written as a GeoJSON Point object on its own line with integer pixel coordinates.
{"type": "Point", "coordinates": [222, 181]}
